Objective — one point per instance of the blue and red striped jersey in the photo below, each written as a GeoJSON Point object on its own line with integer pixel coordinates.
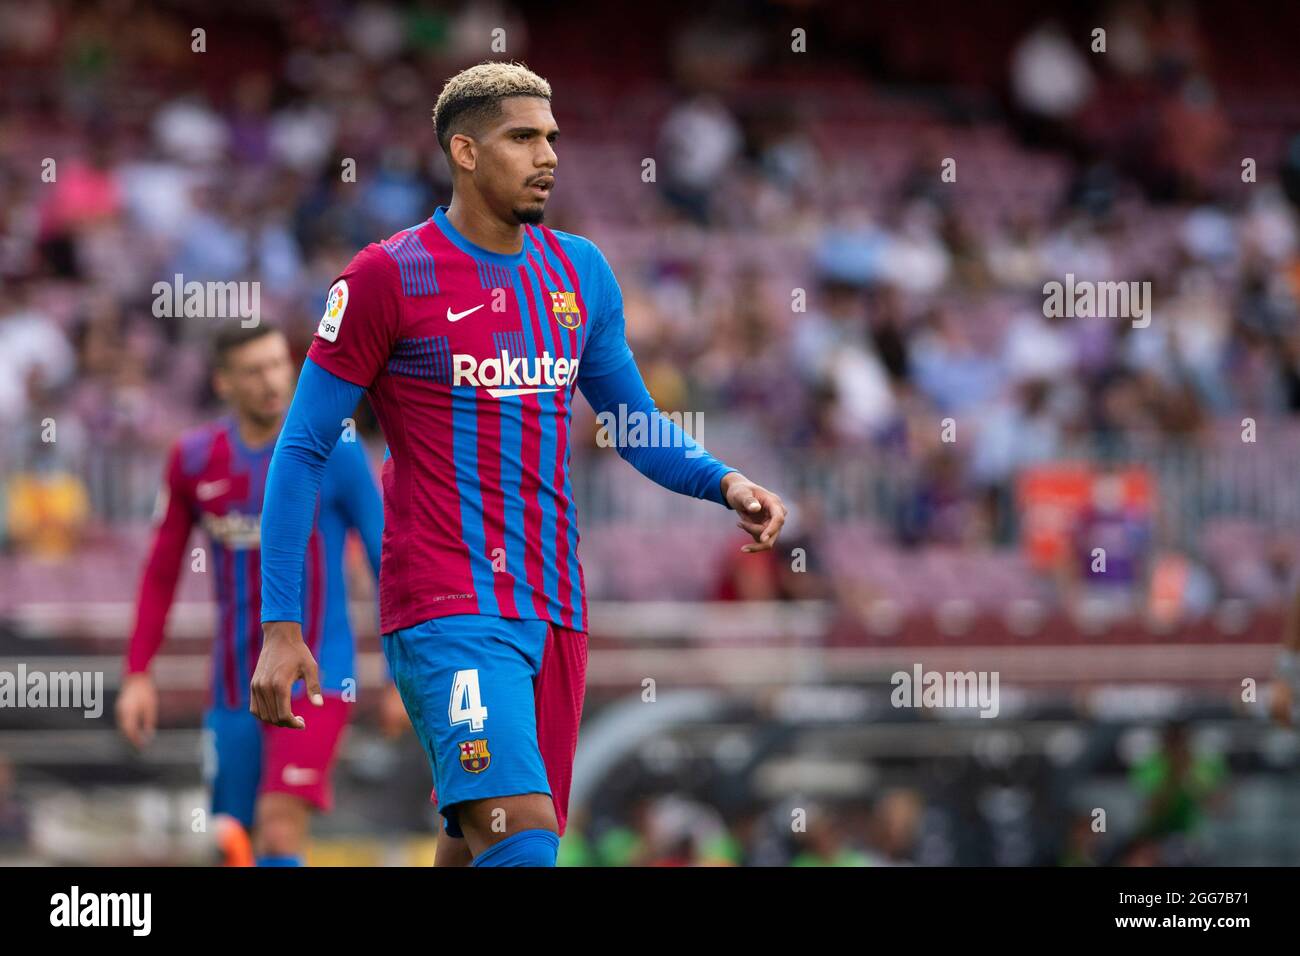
{"type": "Point", "coordinates": [471, 359]}
{"type": "Point", "coordinates": [215, 482]}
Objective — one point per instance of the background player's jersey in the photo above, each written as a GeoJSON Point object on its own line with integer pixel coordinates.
{"type": "Point", "coordinates": [471, 359]}
{"type": "Point", "coordinates": [215, 481]}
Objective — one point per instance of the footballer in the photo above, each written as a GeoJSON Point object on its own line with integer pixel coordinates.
{"type": "Point", "coordinates": [470, 332]}
{"type": "Point", "coordinates": [268, 779]}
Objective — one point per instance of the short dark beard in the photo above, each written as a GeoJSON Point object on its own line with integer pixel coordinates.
{"type": "Point", "coordinates": [528, 217]}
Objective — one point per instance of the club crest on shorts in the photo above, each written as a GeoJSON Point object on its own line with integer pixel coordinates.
{"type": "Point", "coordinates": [565, 306]}
{"type": "Point", "coordinates": [474, 756]}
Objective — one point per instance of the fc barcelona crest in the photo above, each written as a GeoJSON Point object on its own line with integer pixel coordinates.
{"type": "Point", "coordinates": [565, 306]}
{"type": "Point", "coordinates": [474, 756]}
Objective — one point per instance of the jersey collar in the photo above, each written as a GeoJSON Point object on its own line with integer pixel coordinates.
{"type": "Point", "coordinates": [470, 249]}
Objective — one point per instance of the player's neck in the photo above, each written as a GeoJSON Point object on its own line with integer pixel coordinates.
{"type": "Point", "coordinates": [475, 223]}
{"type": "Point", "coordinates": [255, 435]}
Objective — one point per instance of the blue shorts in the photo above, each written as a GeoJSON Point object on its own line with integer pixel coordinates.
{"type": "Point", "coordinates": [473, 686]}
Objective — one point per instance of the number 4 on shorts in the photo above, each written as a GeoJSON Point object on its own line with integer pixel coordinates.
{"type": "Point", "coordinates": [466, 707]}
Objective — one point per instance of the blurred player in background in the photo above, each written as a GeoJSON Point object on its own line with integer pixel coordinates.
{"type": "Point", "coordinates": [268, 779]}
{"type": "Point", "coordinates": [469, 332]}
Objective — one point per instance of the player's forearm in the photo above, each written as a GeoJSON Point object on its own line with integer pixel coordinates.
{"type": "Point", "coordinates": [675, 460]}
{"type": "Point", "coordinates": [158, 588]}
{"type": "Point", "coordinates": [311, 429]}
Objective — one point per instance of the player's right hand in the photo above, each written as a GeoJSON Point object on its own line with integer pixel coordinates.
{"type": "Point", "coordinates": [1280, 702]}
{"type": "Point", "coordinates": [284, 660]}
{"type": "Point", "coordinates": [137, 709]}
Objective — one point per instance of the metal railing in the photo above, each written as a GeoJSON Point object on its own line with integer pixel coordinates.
{"type": "Point", "coordinates": [1195, 482]}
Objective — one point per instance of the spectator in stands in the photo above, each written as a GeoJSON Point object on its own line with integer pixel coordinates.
{"type": "Point", "coordinates": [47, 508]}
{"type": "Point", "coordinates": [1050, 79]}
{"type": "Point", "coordinates": [698, 141]}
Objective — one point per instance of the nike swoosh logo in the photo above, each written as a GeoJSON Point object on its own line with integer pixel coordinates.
{"type": "Point", "coordinates": [210, 489]}
{"type": "Point", "coordinates": [457, 316]}
{"type": "Point", "coordinates": [298, 776]}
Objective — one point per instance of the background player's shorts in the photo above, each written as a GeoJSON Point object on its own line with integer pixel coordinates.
{"type": "Point", "coordinates": [300, 762]}
{"type": "Point", "coordinates": [496, 704]}
{"type": "Point", "coordinates": [244, 757]}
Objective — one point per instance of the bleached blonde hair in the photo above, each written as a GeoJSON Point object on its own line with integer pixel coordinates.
{"type": "Point", "coordinates": [476, 92]}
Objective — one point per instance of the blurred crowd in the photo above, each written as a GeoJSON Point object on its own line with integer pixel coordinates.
{"type": "Point", "coordinates": [868, 288]}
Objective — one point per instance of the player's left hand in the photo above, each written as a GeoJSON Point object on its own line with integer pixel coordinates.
{"type": "Point", "coordinates": [762, 512]}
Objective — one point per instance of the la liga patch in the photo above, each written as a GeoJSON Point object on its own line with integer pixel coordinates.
{"type": "Point", "coordinates": [335, 304]}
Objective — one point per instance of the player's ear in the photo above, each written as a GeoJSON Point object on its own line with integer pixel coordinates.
{"type": "Point", "coordinates": [463, 152]}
